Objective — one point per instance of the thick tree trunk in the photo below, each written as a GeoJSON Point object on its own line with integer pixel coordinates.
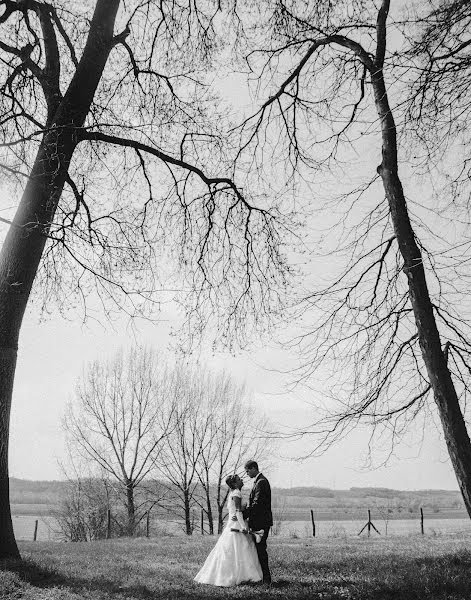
{"type": "Point", "coordinates": [8, 547]}
{"type": "Point", "coordinates": [131, 509]}
{"type": "Point", "coordinates": [24, 244]}
{"type": "Point", "coordinates": [220, 517]}
{"type": "Point", "coordinates": [446, 398]}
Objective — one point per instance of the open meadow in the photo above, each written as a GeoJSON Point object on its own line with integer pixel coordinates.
{"type": "Point", "coordinates": [412, 567]}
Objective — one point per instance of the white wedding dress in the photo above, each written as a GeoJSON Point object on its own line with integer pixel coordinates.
{"type": "Point", "coordinates": [233, 559]}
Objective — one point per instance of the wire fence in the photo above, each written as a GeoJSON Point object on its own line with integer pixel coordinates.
{"type": "Point", "coordinates": [45, 528]}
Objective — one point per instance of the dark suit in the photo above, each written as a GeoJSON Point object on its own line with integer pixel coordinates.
{"type": "Point", "coordinates": [259, 515]}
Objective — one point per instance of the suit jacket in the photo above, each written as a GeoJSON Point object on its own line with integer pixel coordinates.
{"type": "Point", "coordinates": [258, 511]}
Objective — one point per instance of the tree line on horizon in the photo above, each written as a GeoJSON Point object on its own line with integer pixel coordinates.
{"type": "Point", "coordinates": [29, 491]}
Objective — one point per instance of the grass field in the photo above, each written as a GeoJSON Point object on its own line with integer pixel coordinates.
{"type": "Point", "coordinates": [391, 568]}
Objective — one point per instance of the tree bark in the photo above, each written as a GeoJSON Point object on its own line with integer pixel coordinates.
{"type": "Point", "coordinates": [209, 510]}
{"type": "Point", "coordinates": [446, 397]}
{"type": "Point", "coordinates": [131, 508]}
{"type": "Point", "coordinates": [24, 243]}
{"type": "Point", "coordinates": [219, 505]}
{"type": "Point", "coordinates": [8, 547]}
{"type": "Point", "coordinates": [220, 518]}
{"type": "Point", "coordinates": [188, 525]}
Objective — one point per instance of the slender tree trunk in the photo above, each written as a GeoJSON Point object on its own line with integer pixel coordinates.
{"type": "Point", "coordinates": [188, 527]}
{"type": "Point", "coordinates": [209, 507]}
{"type": "Point", "coordinates": [219, 505]}
{"type": "Point", "coordinates": [220, 519]}
{"type": "Point", "coordinates": [446, 398]}
{"type": "Point", "coordinates": [24, 243]}
{"type": "Point", "coordinates": [209, 511]}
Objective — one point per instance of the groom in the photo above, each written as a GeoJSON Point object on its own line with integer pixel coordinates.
{"type": "Point", "coordinates": [258, 513]}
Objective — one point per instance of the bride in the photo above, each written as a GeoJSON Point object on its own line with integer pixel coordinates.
{"type": "Point", "coordinates": [233, 559]}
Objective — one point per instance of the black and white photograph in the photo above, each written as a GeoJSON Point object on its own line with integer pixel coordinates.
{"type": "Point", "coordinates": [235, 306]}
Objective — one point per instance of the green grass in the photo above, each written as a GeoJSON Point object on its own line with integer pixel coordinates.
{"type": "Point", "coordinates": [341, 568]}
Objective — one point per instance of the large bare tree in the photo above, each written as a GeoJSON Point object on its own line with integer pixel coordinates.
{"type": "Point", "coordinates": [118, 422]}
{"type": "Point", "coordinates": [106, 138]}
{"type": "Point", "coordinates": [390, 329]}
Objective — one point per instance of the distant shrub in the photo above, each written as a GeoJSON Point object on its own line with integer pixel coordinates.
{"type": "Point", "coordinates": [279, 514]}
{"type": "Point", "coordinates": [337, 531]}
{"type": "Point", "coordinates": [160, 529]}
{"type": "Point", "coordinates": [79, 521]}
{"type": "Point", "coordinates": [82, 513]}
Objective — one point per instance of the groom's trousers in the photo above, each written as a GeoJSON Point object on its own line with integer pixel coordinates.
{"type": "Point", "coordinates": [263, 556]}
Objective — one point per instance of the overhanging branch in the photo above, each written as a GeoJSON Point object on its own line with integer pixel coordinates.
{"type": "Point", "coordinates": [170, 160]}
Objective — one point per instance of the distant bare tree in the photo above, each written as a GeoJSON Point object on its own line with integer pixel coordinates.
{"type": "Point", "coordinates": [235, 430]}
{"type": "Point", "coordinates": [385, 510]}
{"type": "Point", "coordinates": [120, 420]}
{"type": "Point", "coordinates": [214, 428]}
{"type": "Point", "coordinates": [390, 329]}
{"type": "Point", "coordinates": [182, 448]}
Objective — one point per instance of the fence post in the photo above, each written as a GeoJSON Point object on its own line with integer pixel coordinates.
{"type": "Point", "coordinates": [313, 524]}
{"type": "Point", "coordinates": [369, 525]}
{"type": "Point", "coordinates": [35, 530]}
{"type": "Point", "coordinates": [421, 520]}
{"type": "Point", "coordinates": [148, 523]}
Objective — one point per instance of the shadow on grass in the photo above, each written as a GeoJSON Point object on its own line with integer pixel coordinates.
{"type": "Point", "coordinates": [40, 577]}
{"type": "Point", "coordinates": [43, 578]}
{"type": "Point", "coordinates": [389, 577]}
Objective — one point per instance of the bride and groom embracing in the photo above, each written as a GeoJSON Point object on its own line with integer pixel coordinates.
{"type": "Point", "coordinates": [240, 554]}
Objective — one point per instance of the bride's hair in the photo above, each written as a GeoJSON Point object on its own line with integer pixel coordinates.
{"type": "Point", "coordinates": [230, 481]}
